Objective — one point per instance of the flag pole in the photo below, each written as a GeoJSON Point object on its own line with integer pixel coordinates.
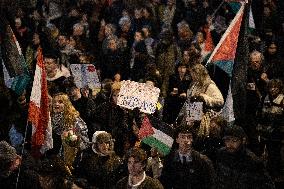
{"type": "Point", "coordinates": [22, 152]}
{"type": "Point", "coordinates": [218, 8]}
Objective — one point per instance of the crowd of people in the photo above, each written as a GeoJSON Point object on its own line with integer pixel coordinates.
{"type": "Point", "coordinates": [163, 43]}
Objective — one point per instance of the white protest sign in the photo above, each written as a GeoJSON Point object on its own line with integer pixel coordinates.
{"type": "Point", "coordinates": [133, 94]}
{"type": "Point", "coordinates": [85, 75]}
{"type": "Point", "coordinates": [194, 111]}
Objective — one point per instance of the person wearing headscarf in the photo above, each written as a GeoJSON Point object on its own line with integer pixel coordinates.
{"type": "Point", "coordinates": [99, 164]}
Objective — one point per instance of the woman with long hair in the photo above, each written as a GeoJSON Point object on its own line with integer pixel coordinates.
{"type": "Point", "coordinates": [203, 89]}
{"type": "Point", "coordinates": [64, 117]}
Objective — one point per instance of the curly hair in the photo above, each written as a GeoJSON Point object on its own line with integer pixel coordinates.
{"type": "Point", "coordinates": [69, 113]}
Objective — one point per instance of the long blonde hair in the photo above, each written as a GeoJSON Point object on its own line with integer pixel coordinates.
{"type": "Point", "coordinates": [69, 113]}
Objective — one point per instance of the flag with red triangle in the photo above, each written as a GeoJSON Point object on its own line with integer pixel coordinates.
{"type": "Point", "coordinates": [156, 133]}
{"type": "Point", "coordinates": [224, 53]}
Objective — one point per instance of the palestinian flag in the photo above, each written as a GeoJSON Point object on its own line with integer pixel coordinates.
{"type": "Point", "coordinates": [209, 45]}
{"type": "Point", "coordinates": [224, 53]}
{"type": "Point", "coordinates": [156, 133]}
{"type": "Point", "coordinates": [15, 70]}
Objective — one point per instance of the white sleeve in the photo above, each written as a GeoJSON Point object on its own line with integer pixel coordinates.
{"type": "Point", "coordinates": [213, 97]}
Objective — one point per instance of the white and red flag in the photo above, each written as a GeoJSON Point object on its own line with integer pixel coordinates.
{"type": "Point", "coordinates": [39, 110]}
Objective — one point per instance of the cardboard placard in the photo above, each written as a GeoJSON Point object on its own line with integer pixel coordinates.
{"type": "Point", "coordinates": [194, 111]}
{"type": "Point", "coordinates": [138, 95]}
{"type": "Point", "coordinates": [85, 75]}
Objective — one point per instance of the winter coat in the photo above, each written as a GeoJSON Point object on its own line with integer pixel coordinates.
{"type": "Point", "coordinates": [241, 170]}
{"type": "Point", "coordinates": [198, 173]}
{"type": "Point", "coordinates": [101, 171]}
{"type": "Point", "coordinates": [173, 103]}
{"type": "Point", "coordinates": [29, 177]}
{"type": "Point", "coordinates": [256, 88]}
{"type": "Point", "coordinates": [212, 100]}
{"type": "Point", "coordinates": [80, 129]}
{"type": "Point", "coordinates": [166, 58]}
{"type": "Point", "coordinates": [271, 118]}
{"type": "Point", "coordinates": [212, 96]}
{"type": "Point", "coordinates": [86, 108]}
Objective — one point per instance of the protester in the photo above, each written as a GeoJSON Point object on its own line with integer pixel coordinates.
{"type": "Point", "coordinates": [203, 89]}
{"type": "Point", "coordinates": [64, 117]}
{"type": "Point", "coordinates": [85, 106]}
{"type": "Point", "coordinates": [185, 167]}
{"type": "Point", "coordinates": [10, 163]}
{"type": "Point", "coordinates": [160, 42]}
{"type": "Point", "coordinates": [238, 167]}
{"type": "Point", "coordinates": [136, 162]}
{"type": "Point", "coordinates": [176, 95]}
{"type": "Point", "coordinates": [255, 91]}
{"type": "Point", "coordinates": [270, 127]}
{"type": "Point", "coordinates": [99, 164]}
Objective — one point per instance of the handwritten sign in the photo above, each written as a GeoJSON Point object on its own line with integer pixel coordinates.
{"type": "Point", "coordinates": [194, 111]}
{"type": "Point", "coordinates": [85, 75]}
{"type": "Point", "coordinates": [133, 94]}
